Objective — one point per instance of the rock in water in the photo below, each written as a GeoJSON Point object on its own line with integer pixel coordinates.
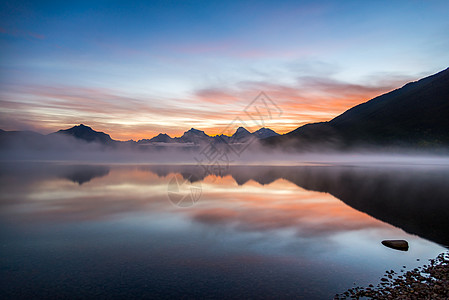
{"type": "Point", "coordinates": [396, 244]}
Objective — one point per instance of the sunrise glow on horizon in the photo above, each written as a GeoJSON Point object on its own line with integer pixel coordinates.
{"type": "Point", "coordinates": [135, 69]}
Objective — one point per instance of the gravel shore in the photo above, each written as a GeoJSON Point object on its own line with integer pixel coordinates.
{"type": "Point", "coordinates": [427, 282]}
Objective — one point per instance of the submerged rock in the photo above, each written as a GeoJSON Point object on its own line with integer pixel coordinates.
{"type": "Point", "coordinates": [396, 244]}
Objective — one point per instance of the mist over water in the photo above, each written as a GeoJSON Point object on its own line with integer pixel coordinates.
{"type": "Point", "coordinates": [66, 148]}
{"type": "Point", "coordinates": [264, 231]}
{"type": "Point", "coordinates": [265, 222]}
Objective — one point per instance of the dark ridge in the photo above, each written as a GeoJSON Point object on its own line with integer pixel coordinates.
{"type": "Point", "coordinates": [415, 115]}
{"type": "Point", "coordinates": [87, 134]}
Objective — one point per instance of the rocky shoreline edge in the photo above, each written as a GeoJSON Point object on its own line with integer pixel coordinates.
{"type": "Point", "coordinates": [430, 281]}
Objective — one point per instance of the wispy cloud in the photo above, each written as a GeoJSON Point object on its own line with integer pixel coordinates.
{"type": "Point", "coordinates": [21, 33]}
{"type": "Point", "coordinates": [49, 108]}
{"type": "Point", "coordinates": [126, 116]}
{"type": "Point", "coordinates": [309, 99]}
{"type": "Point", "coordinates": [216, 96]}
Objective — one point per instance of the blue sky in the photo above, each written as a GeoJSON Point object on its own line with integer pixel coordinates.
{"type": "Point", "coordinates": [136, 68]}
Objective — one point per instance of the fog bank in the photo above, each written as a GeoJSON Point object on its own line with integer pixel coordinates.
{"type": "Point", "coordinates": [66, 148]}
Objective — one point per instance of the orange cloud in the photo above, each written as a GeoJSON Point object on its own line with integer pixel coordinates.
{"type": "Point", "coordinates": [217, 96]}
{"type": "Point", "coordinates": [124, 116]}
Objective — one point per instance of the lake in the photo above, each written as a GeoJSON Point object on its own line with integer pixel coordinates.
{"type": "Point", "coordinates": [174, 231]}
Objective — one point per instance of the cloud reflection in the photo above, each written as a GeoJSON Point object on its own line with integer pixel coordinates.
{"type": "Point", "coordinates": [303, 201]}
{"type": "Point", "coordinates": [257, 205]}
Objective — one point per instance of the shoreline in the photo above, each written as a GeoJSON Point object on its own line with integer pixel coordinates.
{"type": "Point", "coordinates": [430, 281]}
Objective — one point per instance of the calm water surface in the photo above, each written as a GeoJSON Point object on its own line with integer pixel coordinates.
{"type": "Point", "coordinates": [112, 231]}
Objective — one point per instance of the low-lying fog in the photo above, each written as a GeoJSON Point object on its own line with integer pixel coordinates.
{"type": "Point", "coordinates": [63, 148]}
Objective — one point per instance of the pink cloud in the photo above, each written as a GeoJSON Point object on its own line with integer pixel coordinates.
{"type": "Point", "coordinates": [312, 99]}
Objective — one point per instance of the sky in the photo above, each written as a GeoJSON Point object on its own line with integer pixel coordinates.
{"type": "Point", "coordinates": [134, 69]}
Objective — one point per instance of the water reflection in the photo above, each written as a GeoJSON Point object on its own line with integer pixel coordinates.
{"type": "Point", "coordinates": [82, 174]}
{"type": "Point", "coordinates": [415, 199]}
{"type": "Point", "coordinates": [256, 231]}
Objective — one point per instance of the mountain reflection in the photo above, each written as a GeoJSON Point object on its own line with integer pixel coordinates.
{"type": "Point", "coordinates": [415, 199]}
{"type": "Point", "coordinates": [83, 174]}
{"type": "Point", "coordinates": [241, 197]}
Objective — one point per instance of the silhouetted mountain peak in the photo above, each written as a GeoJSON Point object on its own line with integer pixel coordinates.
{"type": "Point", "coordinates": [264, 132]}
{"type": "Point", "coordinates": [195, 131]}
{"type": "Point", "coordinates": [78, 128]}
{"type": "Point", "coordinates": [194, 136]}
{"type": "Point", "coordinates": [161, 138]}
{"type": "Point", "coordinates": [86, 133]}
{"type": "Point", "coordinates": [241, 135]}
{"type": "Point", "coordinates": [241, 129]}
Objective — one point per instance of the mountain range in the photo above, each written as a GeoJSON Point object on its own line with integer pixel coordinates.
{"type": "Point", "coordinates": [195, 136]}
{"type": "Point", "coordinates": [416, 115]}
{"type": "Point", "coordinates": [87, 134]}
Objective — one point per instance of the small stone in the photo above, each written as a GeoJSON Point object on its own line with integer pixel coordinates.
{"type": "Point", "coordinates": [401, 245]}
